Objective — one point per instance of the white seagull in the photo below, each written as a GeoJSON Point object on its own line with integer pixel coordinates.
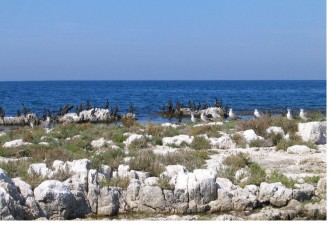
{"type": "Point", "coordinates": [303, 115]}
{"type": "Point", "coordinates": [289, 114]}
{"type": "Point", "coordinates": [232, 115]}
{"type": "Point", "coordinates": [193, 118]}
{"type": "Point", "coordinates": [257, 113]}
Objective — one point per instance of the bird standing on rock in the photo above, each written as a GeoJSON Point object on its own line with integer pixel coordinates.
{"type": "Point", "coordinates": [303, 115]}
{"type": "Point", "coordinates": [289, 114]}
{"type": "Point", "coordinates": [257, 113]}
{"type": "Point", "coordinates": [192, 117]}
{"type": "Point", "coordinates": [232, 115]}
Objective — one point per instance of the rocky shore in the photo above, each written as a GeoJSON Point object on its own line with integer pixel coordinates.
{"type": "Point", "coordinates": [269, 183]}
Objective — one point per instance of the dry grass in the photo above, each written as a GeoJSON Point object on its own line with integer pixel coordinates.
{"type": "Point", "coordinates": [122, 183]}
{"type": "Point", "coordinates": [210, 130]}
{"type": "Point", "coordinates": [155, 165]}
{"type": "Point", "coordinates": [258, 125]}
{"type": "Point", "coordinates": [239, 140]}
{"type": "Point", "coordinates": [277, 176]}
{"type": "Point", "coordinates": [200, 143]}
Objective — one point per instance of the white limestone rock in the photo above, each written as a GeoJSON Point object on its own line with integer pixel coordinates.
{"type": "Point", "coordinates": [302, 192]}
{"type": "Point", "coordinates": [15, 143]}
{"type": "Point", "coordinates": [275, 193]}
{"type": "Point", "coordinates": [102, 143]}
{"type": "Point", "coordinates": [250, 135]}
{"type": "Point", "coordinates": [55, 199]}
{"type": "Point", "coordinates": [170, 125]}
{"type": "Point", "coordinates": [313, 131]}
{"type": "Point", "coordinates": [275, 130]}
{"type": "Point", "coordinates": [163, 150]}
{"type": "Point", "coordinates": [151, 181]}
{"type": "Point", "coordinates": [40, 169]}
{"type": "Point", "coordinates": [152, 197]}
{"type": "Point", "coordinates": [108, 201]}
{"type": "Point", "coordinates": [177, 140]}
{"type": "Point", "coordinates": [299, 149]}
{"type": "Point", "coordinates": [223, 142]}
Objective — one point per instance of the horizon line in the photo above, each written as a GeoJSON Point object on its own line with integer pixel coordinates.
{"type": "Point", "coordinates": [75, 80]}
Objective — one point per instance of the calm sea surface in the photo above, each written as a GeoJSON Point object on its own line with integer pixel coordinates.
{"type": "Point", "coordinates": [149, 96]}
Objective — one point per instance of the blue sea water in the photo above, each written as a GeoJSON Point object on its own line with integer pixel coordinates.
{"type": "Point", "coordinates": [149, 96]}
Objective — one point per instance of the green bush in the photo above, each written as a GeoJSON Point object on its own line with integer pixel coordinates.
{"type": "Point", "coordinates": [200, 143]}
{"type": "Point", "coordinates": [277, 176]}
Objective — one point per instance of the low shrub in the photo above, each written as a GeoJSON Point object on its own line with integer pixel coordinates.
{"type": "Point", "coordinates": [239, 140]}
{"type": "Point", "coordinates": [237, 161]}
{"type": "Point", "coordinates": [257, 174]}
{"type": "Point", "coordinates": [312, 179]}
{"type": "Point", "coordinates": [122, 183]}
{"type": "Point", "coordinates": [277, 176]}
{"type": "Point", "coordinates": [200, 143]}
{"type": "Point", "coordinates": [258, 125]}
{"type": "Point", "coordinates": [112, 158]}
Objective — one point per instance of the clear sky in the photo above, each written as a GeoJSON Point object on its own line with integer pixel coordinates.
{"type": "Point", "coordinates": [162, 39]}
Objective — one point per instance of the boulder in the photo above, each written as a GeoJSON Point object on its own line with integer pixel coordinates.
{"type": "Point", "coordinates": [108, 201]}
{"type": "Point", "coordinates": [313, 131]}
{"type": "Point", "coordinates": [250, 135]}
{"type": "Point", "coordinates": [152, 197]}
{"type": "Point", "coordinates": [174, 170]}
{"type": "Point", "coordinates": [299, 149]}
{"type": "Point", "coordinates": [55, 200]}
{"type": "Point", "coordinates": [41, 170]}
{"type": "Point", "coordinates": [302, 192]}
{"type": "Point", "coordinates": [106, 171]}
{"type": "Point", "coordinates": [11, 200]}
{"type": "Point", "coordinates": [131, 138]}
{"type": "Point", "coordinates": [181, 190]}
{"type": "Point", "coordinates": [132, 193]}
{"type": "Point", "coordinates": [30, 207]}
{"type": "Point", "coordinates": [15, 143]}
{"type": "Point", "coordinates": [224, 142]}
{"type": "Point", "coordinates": [151, 181]}
{"type": "Point", "coordinates": [316, 211]}
{"type": "Point", "coordinates": [321, 186]}
{"type": "Point", "coordinates": [177, 140]}
{"type": "Point", "coordinates": [77, 166]}
{"type": "Point", "coordinates": [275, 193]}
{"type": "Point", "coordinates": [93, 190]}
{"type": "Point", "coordinates": [102, 142]}
{"type": "Point", "coordinates": [275, 130]}
{"type": "Point", "coordinates": [244, 199]}
{"type": "Point", "coordinates": [123, 171]}
{"type": "Point", "coordinates": [224, 184]}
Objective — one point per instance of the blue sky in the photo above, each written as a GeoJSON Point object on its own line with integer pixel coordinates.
{"type": "Point", "coordinates": [165, 39]}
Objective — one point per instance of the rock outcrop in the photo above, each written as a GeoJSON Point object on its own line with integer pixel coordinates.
{"type": "Point", "coordinates": [313, 131]}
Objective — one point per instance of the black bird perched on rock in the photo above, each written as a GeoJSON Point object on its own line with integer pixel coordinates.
{"type": "Point", "coordinates": [79, 109]}
{"type": "Point", "coordinates": [2, 113]}
{"type": "Point", "coordinates": [204, 106]}
{"type": "Point", "coordinates": [88, 105]}
{"type": "Point", "coordinates": [131, 108]}
{"type": "Point", "coordinates": [25, 110]}
{"type": "Point", "coordinates": [218, 103]}
{"type": "Point", "coordinates": [18, 113]}
{"type": "Point", "coordinates": [115, 110]}
{"type": "Point", "coordinates": [170, 106]}
{"type": "Point", "coordinates": [64, 110]}
{"type": "Point", "coordinates": [106, 104]}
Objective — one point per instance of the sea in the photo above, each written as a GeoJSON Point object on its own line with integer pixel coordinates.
{"type": "Point", "coordinates": [148, 97]}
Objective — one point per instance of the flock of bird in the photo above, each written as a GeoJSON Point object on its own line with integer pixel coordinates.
{"type": "Point", "coordinates": [214, 116]}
